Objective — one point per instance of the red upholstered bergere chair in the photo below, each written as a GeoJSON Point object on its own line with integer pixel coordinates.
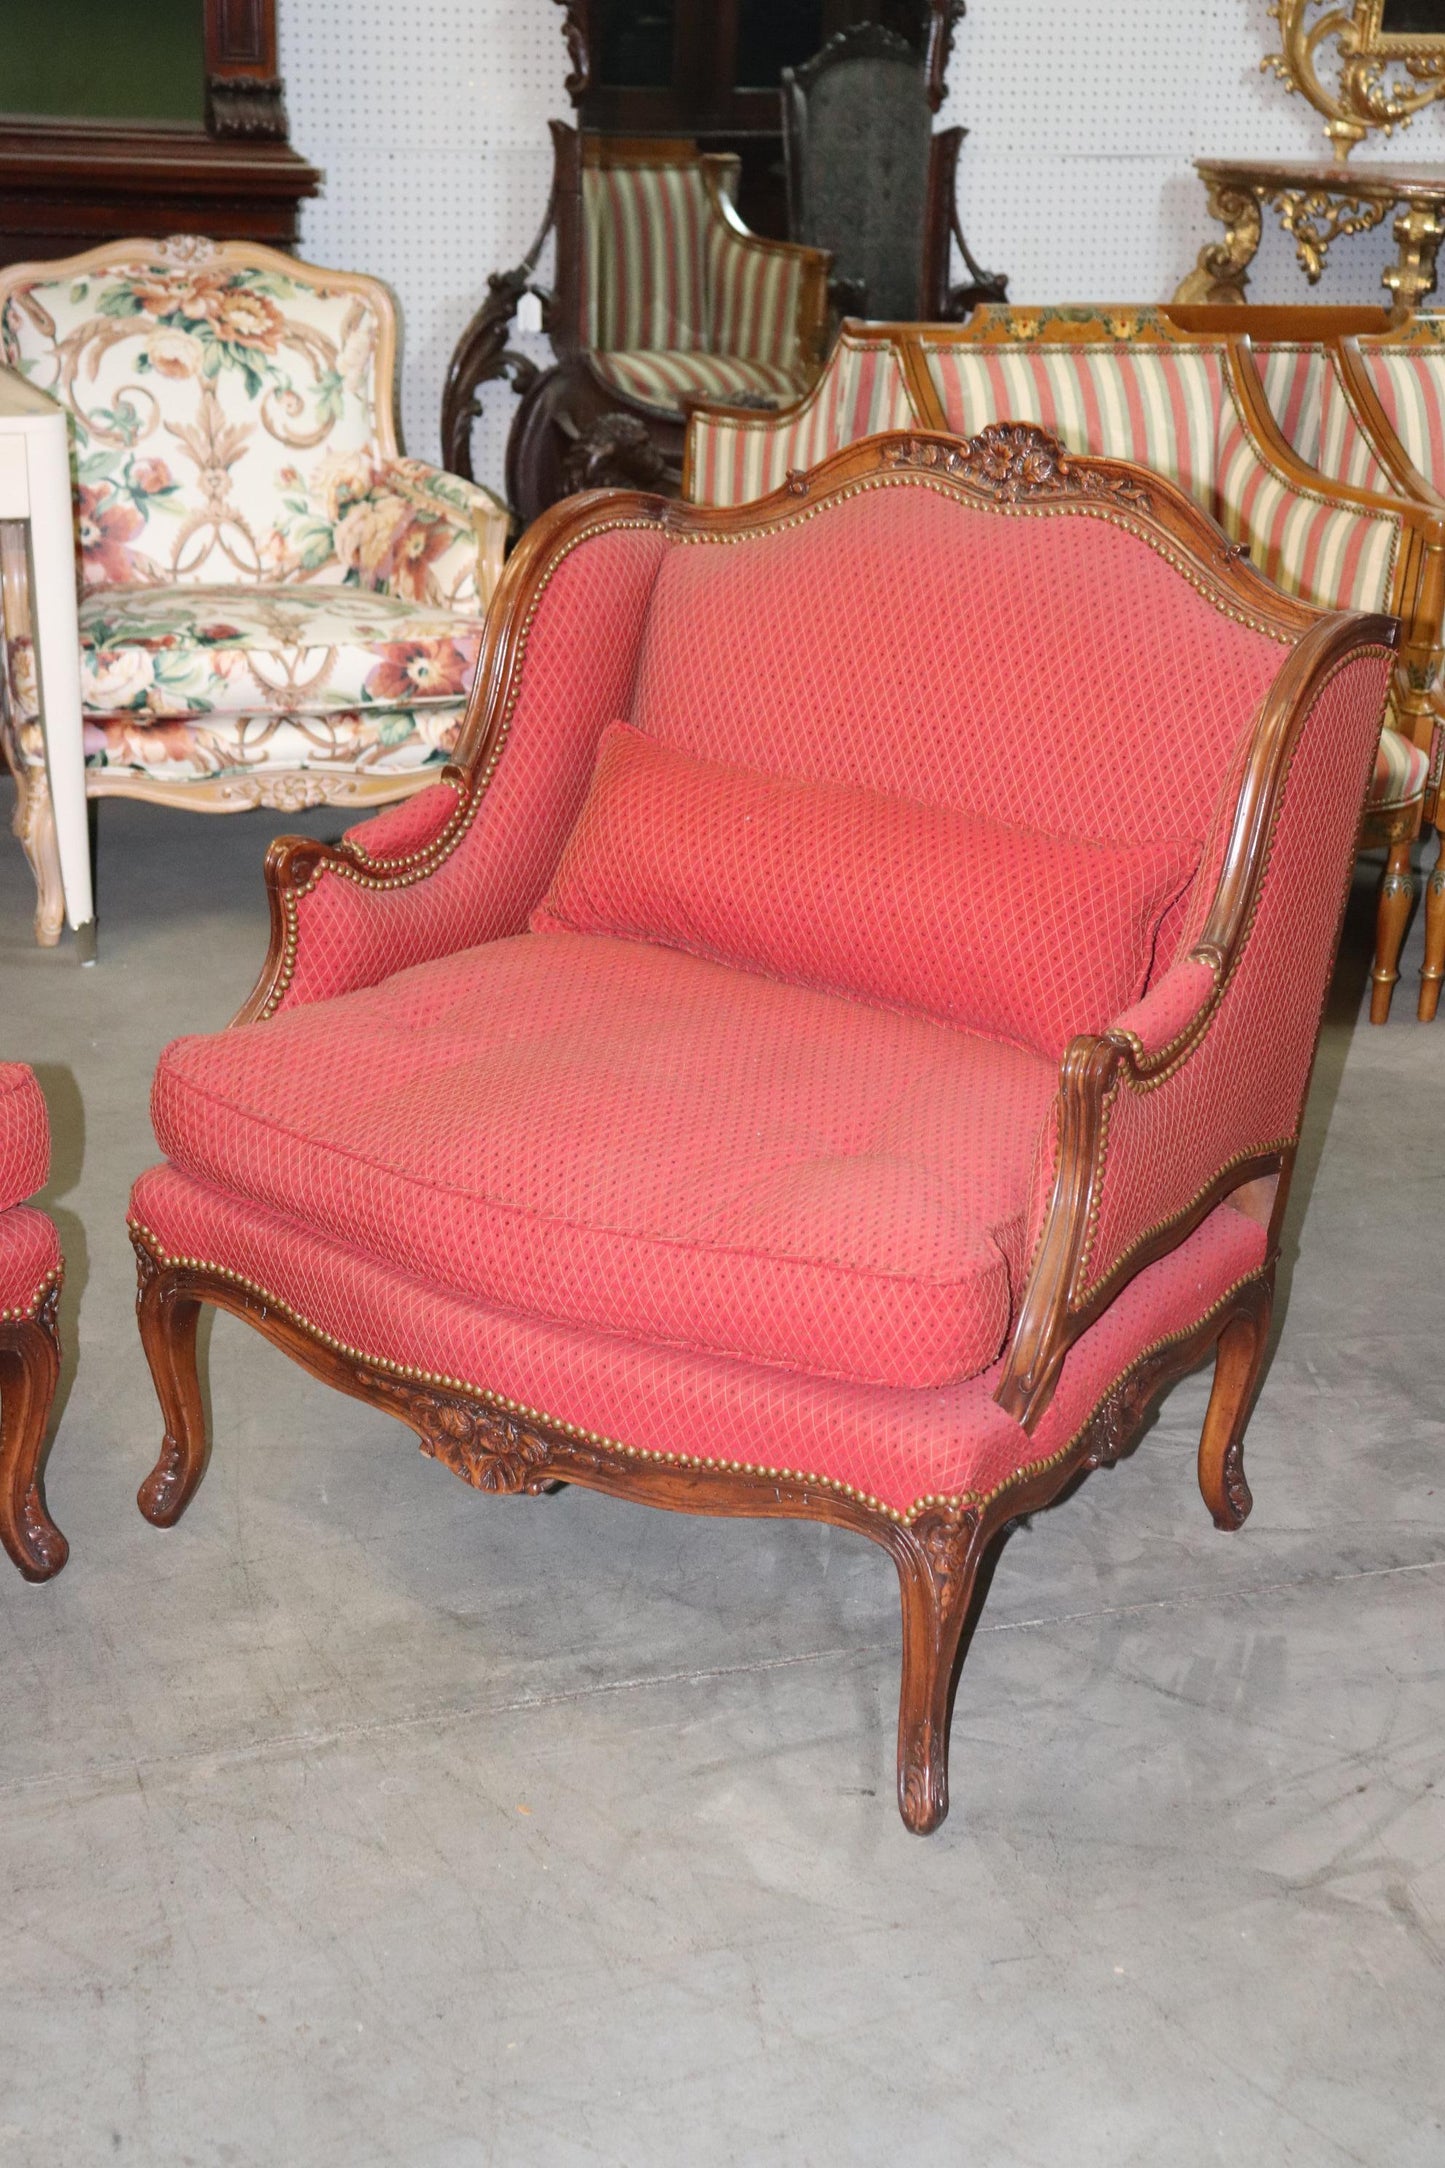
{"type": "Point", "coordinates": [30, 1273]}
{"type": "Point", "coordinates": [813, 1055]}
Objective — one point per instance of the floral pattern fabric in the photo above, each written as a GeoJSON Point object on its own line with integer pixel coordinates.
{"type": "Point", "coordinates": [223, 419]}
{"type": "Point", "coordinates": [162, 652]}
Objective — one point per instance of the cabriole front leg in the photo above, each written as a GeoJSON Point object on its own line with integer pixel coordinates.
{"type": "Point", "coordinates": [169, 1315]}
{"type": "Point", "coordinates": [1238, 1364]}
{"type": "Point", "coordinates": [937, 1558]}
{"type": "Point", "coordinates": [29, 1373]}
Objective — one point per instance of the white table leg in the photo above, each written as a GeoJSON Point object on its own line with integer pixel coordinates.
{"type": "Point", "coordinates": [57, 654]}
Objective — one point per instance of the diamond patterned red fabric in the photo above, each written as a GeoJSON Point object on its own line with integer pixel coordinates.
{"type": "Point", "coordinates": [612, 1134]}
{"type": "Point", "coordinates": [24, 1134]}
{"type": "Point", "coordinates": [1242, 1088]}
{"type": "Point", "coordinates": [864, 892]}
{"type": "Point", "coordinates": [407, 827]}
{"type": "Point", "coordinates": [896, 1448]}
{"type": "Point", "coordinates": [900, 641]}
{"type": "Point", "coordinates": [29, 1252]}
{"type": "Point", "coordinates": [907, 642]}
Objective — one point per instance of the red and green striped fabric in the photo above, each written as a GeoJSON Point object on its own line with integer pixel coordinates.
{"type": "Point", "coordinates": [733, 459]}
{"type": "Point", "coordinates": [1173, 409]}
{"type": "Point", "coordinates": [676, 299]}
{"type": "Point", "coordinates": [1409, 382]}
{"type": "Point", "coordinates": [1306, 394]}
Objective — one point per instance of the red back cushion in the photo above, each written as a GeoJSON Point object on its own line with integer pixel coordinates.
{"type": "Point", "coordinates": [1006, 929]}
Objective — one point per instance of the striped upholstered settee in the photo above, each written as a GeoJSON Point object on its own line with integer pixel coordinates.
{"type": "Point", "coordinates": [1130, 383]}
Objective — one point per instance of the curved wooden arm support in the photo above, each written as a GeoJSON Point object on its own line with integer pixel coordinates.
{"type": "Point", "coordinates": [1060, 1300]}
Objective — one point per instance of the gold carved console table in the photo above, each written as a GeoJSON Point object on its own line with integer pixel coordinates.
{"type": "Point", "coordinates": [1317, 202]}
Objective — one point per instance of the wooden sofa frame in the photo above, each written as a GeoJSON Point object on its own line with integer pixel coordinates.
{"type": "Point", "coordinates": [940, 1546]}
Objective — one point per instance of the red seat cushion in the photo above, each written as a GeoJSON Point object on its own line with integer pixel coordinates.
{"type": "Point", "coordinates": [1001, 927]}
{"type": "Point", "coordinates": [606, 1133]}
{"type": "Point", "coordinates": [29, 1253]}
{"type": "Point", "coordinates": [24, 1134]}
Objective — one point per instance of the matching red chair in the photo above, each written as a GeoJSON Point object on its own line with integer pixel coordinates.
{"type": "Point", "coordinates": [30, 1275]}
{"type": "Point", "coordinates": [833, 1045]}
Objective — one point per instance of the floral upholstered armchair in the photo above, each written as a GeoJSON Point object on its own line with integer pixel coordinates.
{"type": "Point", "coordinates": [277, 608]}
{"type": "Point", "coordinates": [835, 1044]}
{"type": "Point", "coordinates": [30, 1274]}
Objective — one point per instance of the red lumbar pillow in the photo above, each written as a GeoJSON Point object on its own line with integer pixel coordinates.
{"type": "Point", "coordinates": [1027, 935]}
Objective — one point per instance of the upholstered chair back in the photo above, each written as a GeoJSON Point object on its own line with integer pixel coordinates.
{"type": "Point", "coordinates": [644, 258]}
{"type": "Point", "coordinates": [228, 414]}
{"type": "Point", "coordinates": [907, 643]}
{"type": "Point", "coordinates": [1409, 381]}
{"type": "Point", "coordinates": [1174, 409]}
{"type": "Point", "coordinates": [667, 268]}
{"type": "Point", "coordinates": [863, 390]}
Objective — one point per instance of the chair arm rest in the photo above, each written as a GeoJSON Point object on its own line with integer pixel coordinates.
{"type": "Point", "coordinates": [428, 536]}
{"type": "Point", "coordinates": [1199, 1088]}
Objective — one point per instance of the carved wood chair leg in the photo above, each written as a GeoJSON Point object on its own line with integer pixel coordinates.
{"type": "Point", "coordinates": [168, 1320]}
{"type": "Point", "coordinates": [1397, 893]}
{"type": "Point", "coordinates": [1238, 1362]}
{"type": "Point", "coordinates": [1434, 969]}
{"type": "Point", "coordinates": [34, 824]}
{"type": "Point", "coordinates": [29, 1372]}
{"type": "Point", "coordinates": [937, 1557]}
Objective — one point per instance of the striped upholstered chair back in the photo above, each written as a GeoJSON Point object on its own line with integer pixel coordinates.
{"type": "Point", "coordinates": [675, 297]}
{"type": "Point", "coordinates": [863, 390]}
{"type": "Point", "coordinates": [1184, 409]}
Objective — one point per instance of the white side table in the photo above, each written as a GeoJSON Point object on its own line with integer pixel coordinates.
{"type": "Point", "coordinates": [35, 488]}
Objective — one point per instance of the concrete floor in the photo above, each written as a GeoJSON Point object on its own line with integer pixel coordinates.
{"type": "Point", "coordinates": [363, 1822]}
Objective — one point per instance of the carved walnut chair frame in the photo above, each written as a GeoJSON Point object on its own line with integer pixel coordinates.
{"type": "Point", "coordinates": [941, 1545]}
{"type": "Point", "coordinates": [29, 1375]}
{"type": "Point", "coordinates": [284, 790]}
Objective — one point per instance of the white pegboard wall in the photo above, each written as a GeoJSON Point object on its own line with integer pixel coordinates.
{"type": "Point", "coordinates": [430, 121]}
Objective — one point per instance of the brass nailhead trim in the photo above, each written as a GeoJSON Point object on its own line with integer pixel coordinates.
{"type": "Point", "coordinates": [15, 1317]}
{"type": "Point", "coordinates": [957, 1499]}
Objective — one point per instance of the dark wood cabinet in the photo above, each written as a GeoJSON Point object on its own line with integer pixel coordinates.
{"type": "Point", "coordinates": [711, 70]}
{"type": "Point", "coordinates": [70, 180]}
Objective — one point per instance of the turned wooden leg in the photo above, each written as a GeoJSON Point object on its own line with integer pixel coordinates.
{"type": "Point", "coordinates": [29, 1372]}
{"type": "Point", "coordinates": [168, 1320]}
{"type": "Point", "coordinates": [1397, 893]}
{"type": "Point", "coordinates": [1238, 1361]}
{"type": "Point", "coordinates": [937, 1558]}
{"type": "Point", "coordinates": [1434, 969]}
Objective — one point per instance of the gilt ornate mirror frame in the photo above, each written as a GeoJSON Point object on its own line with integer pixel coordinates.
{"type": "Point", "coordinates": [1385, 75]}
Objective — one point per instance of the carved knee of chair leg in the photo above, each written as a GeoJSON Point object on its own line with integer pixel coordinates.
{"type": "Point", "coordinates": [1397, 893]}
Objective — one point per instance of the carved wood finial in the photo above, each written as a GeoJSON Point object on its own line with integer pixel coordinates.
{"type": "Point", "coordinates": [1014, 461]}
{"type": "Point", "coordinates": [574, 30]}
